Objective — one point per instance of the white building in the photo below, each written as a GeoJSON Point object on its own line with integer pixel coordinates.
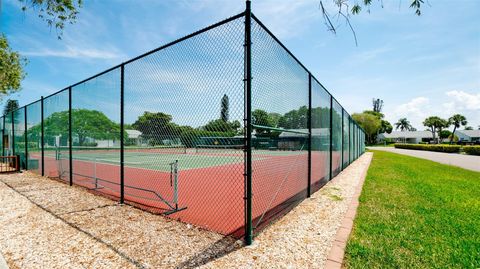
{"type": "Point", "coordinates": [468, 135]}
{"type": "Point", "coordinates": [410, 137]}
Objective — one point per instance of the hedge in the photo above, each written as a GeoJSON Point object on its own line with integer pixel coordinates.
{"type": "Point", "coordinates": [472, 150]}
{"type": "Point", "coordinates": [439, 148]}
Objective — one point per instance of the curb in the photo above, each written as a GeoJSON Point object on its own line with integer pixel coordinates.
{"type": "Point", "coordinates": [3, 263]}
{"type": "Point", "coordinates": [335, 256]}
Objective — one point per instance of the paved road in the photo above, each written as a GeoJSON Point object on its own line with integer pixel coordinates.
{"type": "Point", "coordinates": [469, 162]}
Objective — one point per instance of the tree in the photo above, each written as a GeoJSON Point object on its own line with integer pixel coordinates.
{"type": "Point", "coordinates": [10, 106]}
{"type": "Point", "coordinates": [347, 7]}
{"type": "Point", "coordinates": [377, 105]}
{"type": "Point", "coordinates": [469, 128]}
{"type": "Point", "coordinates": [457, 120]}
{"type": "Point", "coordinates": [219, 125]}
{"type": "Point", "coordinates": [262, 118]}
{"type": "Point", "coordinates": [85, 124]}
{"type": "Point", "coordinates": [443, 124]}
{"type": "Point", "coordinates": [224, 112]}
{"type": "Point", "coordinates": [370, 124]}
{"type": "Point", "coordinates": [385, 126]}
{"type": "Point", "coordinates": [156, 126]}
{"type": "Point", "coordinates": [11, 68]}
{"type": "Point", "coordinates": [294, 119]}
{"type": "Point", "coordinates": [403, 124]}
{"type": "Point", "coordinates": [435, 124]}
{"type": "Point", "coordinates": [54, 12]}
{"type": "Point", "coordinates": [445, 134]}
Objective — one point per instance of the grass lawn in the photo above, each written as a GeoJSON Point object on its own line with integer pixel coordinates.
{"type": "Point", "coordinates": [416, 213]}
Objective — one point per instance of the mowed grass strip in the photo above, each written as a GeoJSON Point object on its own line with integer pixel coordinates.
{"type": "Point", "coordinates": [416, 213]}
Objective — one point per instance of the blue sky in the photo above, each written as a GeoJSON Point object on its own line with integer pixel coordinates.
{"type": "Point", "coordinates": [420, 66]}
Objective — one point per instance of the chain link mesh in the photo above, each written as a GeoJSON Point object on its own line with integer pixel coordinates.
{"type": "Point", "coordinates": [19, 135]}
{"type": "Point", "coordinates": [184, 130]}
{"type": "Point", "coordinates": [34, 136]}
{"type": "Point", "coordinates": [2, 128]}
{"type": "Point", "coordinates": [346, 140]}
{"type": "Point", "coordinates": [56, 122]}
{"type": "Point", "coordinates": [320, 136]}
{"type": "Point", "coordinates": [184, 109]}
{"type": "Point", "coordinates": [336, 138]}
{"type": "Point", "coordinates": [96, 133]}
{"type": "Point", "coordinates": [280, 99]}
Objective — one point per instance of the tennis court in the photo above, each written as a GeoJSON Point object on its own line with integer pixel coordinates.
{"type": "Point", "coordinates": [204, 177]}
{"type": "Point", "coordinates": [224, 129]}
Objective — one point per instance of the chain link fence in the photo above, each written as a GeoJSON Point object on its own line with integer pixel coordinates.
{"type": "Point", "coordinates": [224, 129]}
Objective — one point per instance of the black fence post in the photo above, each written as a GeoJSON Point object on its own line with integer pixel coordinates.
{"type": "Point", "coordinates": [70, 140]}
{"type": "Point", "coordinates": [42, 137]}
{"type": "Point", "coordinates": [13, 133]}
{"type": "Point", "coordinates": [349, 140]}
{"type": "Point", "coordinates": [343, 138]}
{"type": "Point", "coordinates": [26, 139]}
{"type": "Point", "coordinates": [3, 136]}
{"type": "Point", "coordinates": [122, 130]}
{"type": "Point", "coordinates": [309, 124]}
{"type": "Point", "coordinates": [248, 125]}
{"type": "Point", "coordinates": [331, 136]}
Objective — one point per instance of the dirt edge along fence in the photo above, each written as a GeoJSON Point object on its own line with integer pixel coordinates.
{"type": "Point", "coordinates": [224, 129]}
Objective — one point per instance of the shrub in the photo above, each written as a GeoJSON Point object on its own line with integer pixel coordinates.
{"type": "Point", "coordinates": [472, 150]}
{"type": "Point", "coordinates": [439, 148]}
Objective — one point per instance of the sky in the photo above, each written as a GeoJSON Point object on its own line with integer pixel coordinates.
{"type": "Point", "coordinates": [420, 66]}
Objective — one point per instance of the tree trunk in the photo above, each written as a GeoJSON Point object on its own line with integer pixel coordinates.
{"type": "Point", "coordinates": [453, 134]}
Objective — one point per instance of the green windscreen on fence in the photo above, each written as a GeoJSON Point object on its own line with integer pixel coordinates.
{"type": "Point", "coordinates": [336, 138]}
{"type": "Point", "coordinates": [320, 136]}
{"type": "Point", "coordinates": [346, 142]}
{"type": "Point", "coordinates": [34, 137]}
{"type": "Point", "coordinates": [280, 99]}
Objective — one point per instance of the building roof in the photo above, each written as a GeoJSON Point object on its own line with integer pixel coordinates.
{"type": "Point", "coordinates": [133, 133]}
{"type": "Point", "coordinates": [408, 134]}
{"type": "Point", "coordinates": [470, 133]}
{"type": "Point", "coordinates": [304, 132]}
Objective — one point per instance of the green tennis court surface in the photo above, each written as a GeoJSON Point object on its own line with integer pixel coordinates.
{"type": "Point", "coordinates": [160, 161]}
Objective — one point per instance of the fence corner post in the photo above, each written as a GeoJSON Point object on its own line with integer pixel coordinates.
{"type": "Point", "coordinates": [26, 139]}
{"type": "Point", "coordinates": [42, 136]}
{"type": "Point", "coordinates": [70, 140]}
{"type": "Point", "coordinates": [309, 126]}
{"type": "Point", "coordinates": [331, 138]}
{"type": "Point", "coordinates": [122, 130]}
{"type": "Point", "coordinates": [248, 125]}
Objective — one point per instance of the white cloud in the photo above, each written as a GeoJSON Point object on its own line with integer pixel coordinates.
{"type": "Point", "coordinates": [74, 52]}
{"type": "Point", "coordinates": [464, 101]}
{"type": "Point", "coordinates": [416, 110]}
{"type": "Point", "coordinates": [456, 102]}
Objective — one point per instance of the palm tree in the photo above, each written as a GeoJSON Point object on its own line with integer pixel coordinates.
{"type": "Point", "coordinates": [457, 120]}
{"type": "Point", "coordinates": [403, 124]}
